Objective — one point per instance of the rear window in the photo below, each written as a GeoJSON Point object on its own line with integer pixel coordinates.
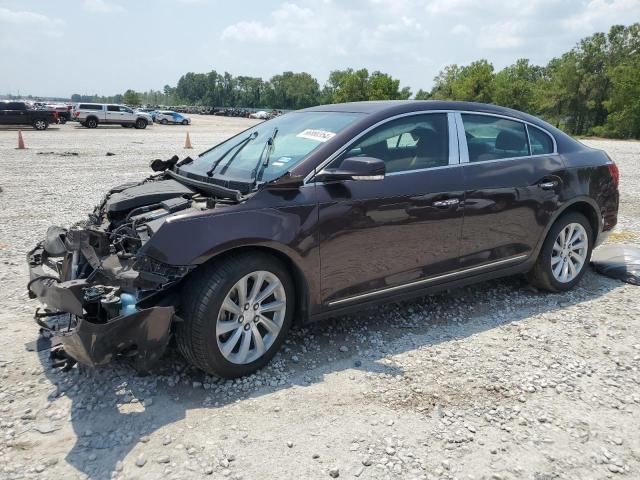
{"type": "Point", "coordinates": [89, 106]}
{"type": "Point", "coordinates": [13, 106]}
{"type": "Point", "coordinates": [541, 143]}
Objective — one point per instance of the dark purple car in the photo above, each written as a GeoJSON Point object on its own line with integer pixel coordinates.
{"type": "Point", "coordinates": [313, 214]}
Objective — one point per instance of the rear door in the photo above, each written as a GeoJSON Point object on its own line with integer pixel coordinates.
{"type": "Point", "coordinates": [113, 114]}
{"type": "Point", "coordinates": [391, 235]}
{"type": "Point", "coordinates": [512, 176]}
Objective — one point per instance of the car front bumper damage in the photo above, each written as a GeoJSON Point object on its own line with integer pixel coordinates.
{"type": "Point", "coordinates": [87, 319]}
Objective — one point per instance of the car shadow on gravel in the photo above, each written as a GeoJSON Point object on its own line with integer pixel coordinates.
{"type": "Point", "coordinates": [113, 408]}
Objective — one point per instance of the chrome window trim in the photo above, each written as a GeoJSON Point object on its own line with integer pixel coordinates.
{"type": "Point", "coordinates": [462, 148]}
{"type": "Point", "coordinates": [426, 280]}
{"type": "Point", "coordinates": [343, 148]}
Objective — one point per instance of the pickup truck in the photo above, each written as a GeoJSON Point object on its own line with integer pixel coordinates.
{"type": "Point", "coordinates": [90, 115]}
{"type": "Point", "coordinates": [19, 113]}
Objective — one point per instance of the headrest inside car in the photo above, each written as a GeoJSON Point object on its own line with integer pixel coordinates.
{"type": "Point", "coordinates": [508, 140]}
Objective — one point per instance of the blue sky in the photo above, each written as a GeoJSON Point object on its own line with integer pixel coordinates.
{"type": "Point", "coordinates": [62, 47]}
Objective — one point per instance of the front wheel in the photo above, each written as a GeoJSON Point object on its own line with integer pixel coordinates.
{"type": "Point", "coordinates": [40, 124]}
{"type": "Point", "coordinates": [141, 124]}
{"type": "Point", "coordinates": [185, 122]}
{"type": "Point", "coordinates": [236, 313]}
{"type": "Point", "coordinates": [164, 121]}
{"type": "Point", "coordinates": [565, 254]}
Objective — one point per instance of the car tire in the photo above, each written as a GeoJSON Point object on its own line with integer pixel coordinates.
{"type": "Point", "coordinates": [62, 120]}
{"type": "Point", "coordinates": [164, 121]}
{"type": "Point", "coordinates": [185, 122]}
{"type": "Point", "coordinates": [219, 340]}
{"type": "Point", "coordinates": [569, 242]}
{"type": "Point", "coordinates": [141, 124]}
{"type": "Point", "coordinates": [91, 122]}
{"type": "Point", "coordinates": [40, 124]}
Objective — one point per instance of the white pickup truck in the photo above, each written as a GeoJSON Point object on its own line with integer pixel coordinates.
{"type": "Point", "coordinates": [90, 115]}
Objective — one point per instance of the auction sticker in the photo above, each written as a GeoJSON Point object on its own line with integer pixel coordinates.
{"type": "Point", "coordinates": [317, 135]}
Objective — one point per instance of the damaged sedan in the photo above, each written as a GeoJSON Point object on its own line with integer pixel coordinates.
{"type": "Point", "coordinates": [317, 213]}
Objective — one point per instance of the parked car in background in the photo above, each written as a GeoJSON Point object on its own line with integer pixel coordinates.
{"type": "Point", "coordinates": [20, 113]}
{"type": "Point", "coordinates": [317, 213]}
{"type": "Point", "coordinates": [167, 116]}
{"type": "Point", "coordinates": [262, 115]}
{"type": "Point", "coordinates": [152, 112]}
{"type": "Point", "coordinates": [63, 111]}
{"type": "Point", "coordinates": [91, 115]}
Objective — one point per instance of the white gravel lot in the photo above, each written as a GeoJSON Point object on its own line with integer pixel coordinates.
{"type": "Point", "coordinates": [495, 381]}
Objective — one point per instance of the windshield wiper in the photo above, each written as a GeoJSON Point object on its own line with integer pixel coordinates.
{"type": "Point", "coordinates": [256, 175]}
{"type": "Point", "coordinates": [240, 145]}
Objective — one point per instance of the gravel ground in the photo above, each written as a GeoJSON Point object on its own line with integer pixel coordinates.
{"type": "Point", "coordinates": [495, 381]}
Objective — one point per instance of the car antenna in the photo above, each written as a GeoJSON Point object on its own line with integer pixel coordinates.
{"type": "Point", "coordinates": [240, 144]}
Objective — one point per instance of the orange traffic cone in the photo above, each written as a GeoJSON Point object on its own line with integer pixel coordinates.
{"type": "Point", "coordinates": [20, 141]}
{"type": "Point", "coordinates": [187, 142]}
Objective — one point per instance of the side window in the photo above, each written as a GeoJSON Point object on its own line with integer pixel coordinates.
{"type": "Point", "coordinates": [492, 138]}
{"type": "Point", "coordinates": [409, 143]}
{"type": "Point", "coordinates": [541, 143]}
{"type": "Point", "coordinates": [113, 108]}
{"type": "Point", "coordinates": [126, 109]}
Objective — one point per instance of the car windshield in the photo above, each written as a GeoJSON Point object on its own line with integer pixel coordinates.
{"type": "Point", "coordinates": [298, 134]}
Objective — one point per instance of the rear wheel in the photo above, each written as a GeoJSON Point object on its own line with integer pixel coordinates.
{"type": "Point", "coordinates": [164, 121]}
{"type": "Point", "coordinates": [91, 122]}
{"type": "Point", "coordinates": [40, 124]}
{"type": "Point", "coordinates": [141, 124]}
{"type": "Point", "coordinates": [237, 313]}
{"type": "Point", "coordinates": [565, 254]}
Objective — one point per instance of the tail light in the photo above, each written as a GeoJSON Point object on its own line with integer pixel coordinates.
{"type": "Point", "coordinates": [77, 114]}
{"type": "Point", "coordinates": [614, 172]}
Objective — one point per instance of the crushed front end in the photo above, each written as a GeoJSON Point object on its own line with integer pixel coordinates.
{"type": "Point", "coordinates": [103, 298]}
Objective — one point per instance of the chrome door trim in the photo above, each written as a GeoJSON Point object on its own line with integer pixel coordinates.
{"type": "Point", "coordinates": [426, 280]}
{"type": "Point", "coordinates": [454, 154]}
{"type": "Point", "coordinates": [462, 139]}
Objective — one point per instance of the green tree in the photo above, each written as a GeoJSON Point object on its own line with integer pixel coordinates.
{"type": "Point", "coordinates": [514, 86]}
{"type": "Point", "coordinates": [131, 97]}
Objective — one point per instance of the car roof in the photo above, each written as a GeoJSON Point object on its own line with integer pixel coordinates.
{"type": "Point", "coordinates": [394, 107]}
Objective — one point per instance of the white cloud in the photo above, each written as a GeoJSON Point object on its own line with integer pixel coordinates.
{"type": "Point", "coordinates": [599, 14]}
{"type": "Point", "coordinates": [502, 35]}
{"type": "Point", "coordinates": [13, 17]}
{"type": "Point", "coordinates": [460, 29]}
{"type": "Point", "coordinates": [249, 32]}
{"type": "Point", "coordinates": [101, 6]}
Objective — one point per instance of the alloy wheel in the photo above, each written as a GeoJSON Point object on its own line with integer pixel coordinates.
{"type": "Point", "coordinates": [569, 252]}
{"type": "Point", "coordinates": [41, 125]}
{"type": "Point", "coordinates": [251, 317]}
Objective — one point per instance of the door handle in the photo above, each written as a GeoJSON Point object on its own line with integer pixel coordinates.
{"type": "Point", "coordinates": [548, 185]}
{"type": "Point", "coordinates": [446, 203]}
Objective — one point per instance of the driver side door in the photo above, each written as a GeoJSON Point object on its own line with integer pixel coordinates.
{"type": "Point", "coordinates": [402, 232]}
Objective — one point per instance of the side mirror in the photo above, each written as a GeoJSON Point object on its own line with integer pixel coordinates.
{"type": "Point", "coordinates": [354, 168]}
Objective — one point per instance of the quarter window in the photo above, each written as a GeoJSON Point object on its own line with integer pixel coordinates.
{"type": "Point", "coordinates": [492, 138]}
{"type": "Point", "coordinates": [541, 143]}
{"type": "Point", "coordinates": [409, 143]}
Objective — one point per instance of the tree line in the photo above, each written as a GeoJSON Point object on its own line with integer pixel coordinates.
{"type": "Point", "coordinates": [593, 89]}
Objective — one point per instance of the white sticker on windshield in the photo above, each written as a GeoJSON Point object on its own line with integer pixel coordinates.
{"type": "Point", "coordinates": [317, 135]}
{"type": "Point", "coordinates": [278, 164]}
{"type": "Point", "coordinates": [284, 159]}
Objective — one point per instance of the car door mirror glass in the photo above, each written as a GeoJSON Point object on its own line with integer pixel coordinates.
{"type": "Point", "coordinates": [354, 168]}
